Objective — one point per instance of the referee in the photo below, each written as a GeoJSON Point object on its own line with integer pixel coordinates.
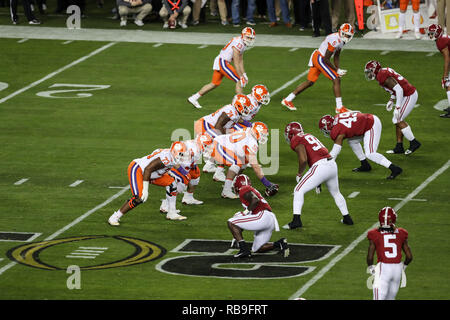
{"type": "Point", "coordinates": [27, 9]}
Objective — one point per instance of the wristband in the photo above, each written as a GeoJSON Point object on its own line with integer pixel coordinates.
{"type": "Point", "coordinates": [246, 123]}
{"type": "Point", "coordinates": [266, 182]}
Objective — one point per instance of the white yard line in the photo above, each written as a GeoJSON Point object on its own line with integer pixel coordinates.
{"type": "Point", "coordinates": [287, 84]}
{"type": "Point", "coordinates": [17, 183]}
{"type": "Point", "coordinates": [76, 183]}
{"type": "Point", "coordinates": [74, 222]}
{"type": "Point", "coordinates": [51, 75]}
{"type": "Point", "coordinates": [353, 194]}
{"type": "Point", "coordinates": [23, 40]}
{"type": "Point", "coordinates": [363, 236]}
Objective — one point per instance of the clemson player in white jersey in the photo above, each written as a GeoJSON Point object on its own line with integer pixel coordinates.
{"type": "Point", "coordinates": [218, 123]}
{"type": "Point", "coordinates": [237, 150]}
{"type": "Point", "coordinates": [195, 148]}
{"type": "Point", "coordinates": [232, 52]}
{"type": "Point", "coordinates": [153, 169]}
{"type": "Point", "coordinates": [320, 63]}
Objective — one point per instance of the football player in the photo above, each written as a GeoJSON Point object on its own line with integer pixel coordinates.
{"type": "Point", "coordinates": [217, 123]}
{"type": "Point", "coordinates": [388, 242]}
{"type": "Point", "coordinates": [195, 148]}
{"type": "Point", "coordinates": [356, 126]}
{"type": "Point", "coordinates": [238, 150]}
{"type": "Point", "coordinates": [322, 169]}
{"type": "Point", "coordinates": [258, 97]}
{"type": "Point", "coordinates": [258, 217]}
{"type": "Point", "coordinates": [232, 52]}
{"type": "Point", "coordinates": [154, 169]}
{"type": "Point", "coordinates": [436, 33]}
{"type": "Point", "coordinates": [320, 63]}
{"type": "Point", "coordinates": [405, 97]}
{"type": "Point", "coordinates": [416, 17]}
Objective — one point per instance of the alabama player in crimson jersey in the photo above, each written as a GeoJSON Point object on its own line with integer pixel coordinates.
{"type": "Point", "coordinates": [405, 96]}
{"type": "Point", "coordinates": [258, 217]}
{"type": "Point", "coordinates": [154, 169]}
{"type": "Point", "coordinates": [322, 169]}
{"type": "Point", "coordinates": [233, 51]}
{"type": "Point", "coordinates": [320, 63]}
{"type": "Point", "coordinates": [436, 33]}
{"type": "Point", "coordinates": [356, 126]}
{"type": "Point", "coordinates": [388, 242]}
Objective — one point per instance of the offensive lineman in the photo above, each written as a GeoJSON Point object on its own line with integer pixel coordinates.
{"type": "Point", "coordinates": [233, 51]}
{"type": "Point", "coordinates": [388, 242]}
{"type": "Point", "coordinates": [257, 217]}
{"type": "Point", "coordinates": [322, 169]}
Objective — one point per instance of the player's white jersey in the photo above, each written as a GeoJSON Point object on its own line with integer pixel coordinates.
{"type": "Point", "coordinates": [231, 112]}
{"type": "Point", "coordinates": [242, 143]}
{"type": "Point", "coordinates": [254, 108]}
{"type": "Point", "coordinates": [164, 155]}
{"type": "Point", "coordinates": [227, 52]}
{"type": "Point", "coordinates": [332, 42]}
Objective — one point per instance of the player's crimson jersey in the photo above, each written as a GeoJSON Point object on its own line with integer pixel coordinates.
{"type": "Point", "coordinates": [443, 42]}
{"type": "Point", "coordinates": [385, 73]}
{"type": "Point", "coordinates": [351, 124]}
{"type": "Point", "coordinates": [315, 150]}
{"type": "Point", "coordinates": [388, 244]}
{"type": "Point", "coordinates": [262, 204]}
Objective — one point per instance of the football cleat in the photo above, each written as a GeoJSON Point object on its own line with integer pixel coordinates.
{"type": "Point", "coordinates": [174, 216]}
{"type": "Point", "coordinates": [288, 104]}
{"type": "Point", "coordinates": [395, 171]}
{"type": "Point", "coordinates": [284, 247]}
{"type": "Point", "coordinates": [294, 224]}
{"type": "Point", "coordinates": [229, 195]}
{"type": "Point", "coordinates": [243, 254]}
{"type": "Point", "coordinates": [194, 102]}
{"type": "Point", "coordinates": [209, 167]}
{"type": "Point", "coordinates": [219, 176]}
{"type": "Point", "coordinates": [414, 145]}
{"type": "Point", "coordinates": [342, 110]}
{"type": "Point", "coordinates": [362, 168]}
{"type": "Point", "coordinates": [397, 150]}
{"type": "Point", "coordinates": [347, 220]}
{"type": "Point", "coordinates": [114, 221]}
{"type": "Point", "coordinates": [191, 201]}
{"type": "Point", "coordinates": [164, 208]}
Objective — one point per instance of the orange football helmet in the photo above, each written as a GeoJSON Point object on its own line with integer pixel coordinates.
{"type": "Point", "coordinates": [261, 94]}
{"type": "Point", "coordinates": [203, 141]}
{"type": "Point", "coordinates": [260, 131]}
{"type": "Point", "coordinates": [179, 152]}
{"type": "Point", "coordinates": [346, 32]}
{"type": "Point", "coordinates": [242, 104]}
{"type": "Point", "coordinates": [248, 36]}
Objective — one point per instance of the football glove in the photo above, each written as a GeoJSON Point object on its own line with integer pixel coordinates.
{"type": "Point", "coordinates": [243, 81]}
{"type": "Point", "coordinates": [389, 105]}
{"type": "Point", "coordinates": [341, 72]}
{"type": "Point", "coordinates": [272, 190]}
{"type": "Point", "coordinates": [319, 189]}
{"type": "Point", "coordinates": [371, 269]}
{"type": "Point", "coordinates": [444, 82]}
{"type": "Point", "coordinates": [144, 195]}
{"type": "Point", "coordinates": [298, 177]}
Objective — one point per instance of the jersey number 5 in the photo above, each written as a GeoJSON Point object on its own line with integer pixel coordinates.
{"type": "Point", "coordinates": [391, 248]}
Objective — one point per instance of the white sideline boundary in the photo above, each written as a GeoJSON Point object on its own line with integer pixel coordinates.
{"type": "Point", "coordinates": [54, 73]}
{"type": "Point", "coordinates": [352, 245]}
{"type": "Point", "coordinates": [74, 222]}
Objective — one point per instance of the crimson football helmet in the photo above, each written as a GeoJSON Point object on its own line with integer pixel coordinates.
{"type": "Point", "coordinates": [240, 181]}
{"type": "Point", "coordinates": [291, 130]}
{"type": "Point", "coordinates": [248, 36]}
{"type": "Point", "coordinates": [387, 217]}
{"type": "Point", "coordinates": [371, 69]}
{"type": "Point", "coordinates": [435, 31]}
{"type": "Point", "coordinates": [242, 104]}
{"type": "Point", "coordinates": [346, 32]}
{"type": "Point", "coordinates": [261, 94]}
{"type": "Point", "coordinates": [326, 124]}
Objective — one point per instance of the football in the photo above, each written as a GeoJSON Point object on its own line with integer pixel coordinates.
{"type": "Point", "coordinates": [172, 24]}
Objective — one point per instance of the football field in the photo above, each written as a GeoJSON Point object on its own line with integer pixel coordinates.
{"type": "Point", "coordinates": [74, 114]}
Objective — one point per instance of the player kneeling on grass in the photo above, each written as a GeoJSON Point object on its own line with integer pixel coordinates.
{"type": "Point", "coordinates": [238, 150]}
{"type": "Point", "coordinates": [153, 169]}
{"type": "Point", "coordinates": [388, 242]}
{"type": "Point", "coordinates": [322, 169]}
{"type": "Point", "coordinates": [257, 217]}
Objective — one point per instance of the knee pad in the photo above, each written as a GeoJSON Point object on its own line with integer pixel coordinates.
{"type": "Point", "coordinates": [134, 202]}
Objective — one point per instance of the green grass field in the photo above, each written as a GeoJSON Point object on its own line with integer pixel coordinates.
{"type": "Point", "coordinates": [139, 102]}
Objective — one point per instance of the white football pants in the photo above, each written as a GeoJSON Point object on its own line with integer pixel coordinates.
{"type": "Point", "coordinates": [387, 281]}
{"type": "Point", "coordinates": [323, 171]}
{"type": "Point", "coordinates": [406, 106]}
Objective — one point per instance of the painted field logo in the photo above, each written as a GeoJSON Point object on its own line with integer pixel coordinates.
{"type": "Point", "coordinates": [144, 251]}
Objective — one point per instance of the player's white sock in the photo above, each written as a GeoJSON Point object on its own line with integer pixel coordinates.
{"type": "Point", "coordinates": [416, 21]}
{"type": "Point", "coordinates": [196, 96]}
{"type": "Point", "coordinates": [448, 97]}
{"type": "Point", "coordinates": [338, 102]}
{"type": "Point", "coordinates": [290, 97]}
{"type": "Point", "coordinates": [118, 214]}
{"type": "Point", "coordinates": [407, 132]}
{"type": "Point", "coordinates": [227, 185]}
{"type": "Point", "coordinates": [171, 200]}
{"type": "Point", "coordinates": [401, 22]}
{"type": "Point", "coordinates": [188, 195]}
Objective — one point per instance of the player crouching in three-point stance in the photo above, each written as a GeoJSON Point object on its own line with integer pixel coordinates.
{"type": "Point", "coordinates": [322, 169]}
{"type": "Point", "coordinates": [155, 169]}
{"type": "Point", "coordinates": [388, 242]}
{"type": "Point", "coordinates": [233, 51]}
{"type": "Point", "coordinates": [356, 126]}
{"type": "Point", "coordinates": [320, 63]}
{"type": "Point", "coordinates": [257, 217]}
{"type": "Point", "coordinates": [405, 96]}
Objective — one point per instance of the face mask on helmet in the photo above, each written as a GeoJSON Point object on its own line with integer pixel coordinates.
{"type": "Point", "coordinates": [434, 31]}
{"type": "Point", "coordinates": [242, 104]}
{"type": "Point", "coordinates": [261, 94]}
{"type": "Point", "coordinates": [179, 152]}
{"type": "Point", "coordinates": [291, 130]}
{"type": "Point", "coordinates": [260, 132]}
{"type": "Point", "coordinates": [370, 69]}
{"type": "Point", "coordinates": [346, 32]}
{"type": "Point", "coordinates": [248, 36]}
{"type": "Point", "coordinates": [326, 124]}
